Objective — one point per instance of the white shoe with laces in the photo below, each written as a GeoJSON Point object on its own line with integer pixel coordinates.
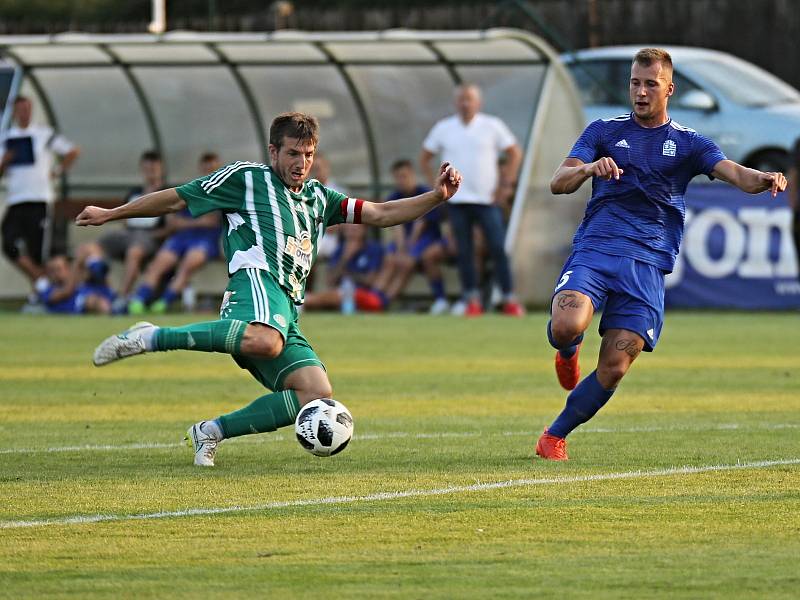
{"type": "Point", "coordinates": [440, 307]}
{"type": "Point", "coordinates": [130, 342]}
{"type": "Point", "coordinates": [202, 438]}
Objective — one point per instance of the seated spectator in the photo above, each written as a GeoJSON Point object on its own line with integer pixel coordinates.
{"type": "Point", "coordinates": [351, 276]}
{"type": "Point", "coordinates": [192, 243]}
{"type": "Point", "coordinates": [417, 245]}
{"type": "Point", "coordinates": [330, 242]}
{"type": "Point", "coordinates": [64, 291]}
{"type": "Point", "coordinates": [141, 237]}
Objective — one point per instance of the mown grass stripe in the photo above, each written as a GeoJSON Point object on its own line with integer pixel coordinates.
{"type": "Point", "coordinates": [398, 495]}
{"type": "Point", "coordinates": [403, 434]}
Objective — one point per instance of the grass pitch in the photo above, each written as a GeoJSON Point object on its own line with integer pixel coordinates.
{"type": "Point", "coordinates": [686, 485]}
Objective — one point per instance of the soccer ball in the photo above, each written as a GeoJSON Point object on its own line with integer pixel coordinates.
{"type": "Point", "coordinates": [324, 427]}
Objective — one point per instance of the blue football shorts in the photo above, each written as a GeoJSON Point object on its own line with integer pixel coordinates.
{"type": "Point", "coordinates": [418, 248]}
{"type": "Point", "coordinates": [182, 242]}
{"type": "Point", "coordinates": [630, 292]}
{"type": "Point", "coordinates": [366, 261]}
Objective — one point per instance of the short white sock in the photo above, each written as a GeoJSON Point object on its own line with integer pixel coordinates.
{"type": "Point", "coordinates": [212, 428]}
{"type": "Point", "coordinates": [147, 336]}
{"type": "Point", "coordinates": [41, 284]}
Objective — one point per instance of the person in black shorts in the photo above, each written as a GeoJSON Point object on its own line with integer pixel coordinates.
{"type": "Point", "coordinates": [28, 155]}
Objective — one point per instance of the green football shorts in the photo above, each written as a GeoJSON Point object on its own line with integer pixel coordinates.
{"type": "Point", "coordinates": [253, 296]}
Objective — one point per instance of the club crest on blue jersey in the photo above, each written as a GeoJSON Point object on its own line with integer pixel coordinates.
{"type": "Point", "coordinates": [669, 148]}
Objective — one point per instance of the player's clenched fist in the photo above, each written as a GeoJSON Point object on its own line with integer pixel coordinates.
{"type": "Point", "coordinates": [92, 215]}
{"type": "Point", "coordinates": [448, 181]}
{"type": "Point", "coordinates": [774, 182]}
{"type": "Point", "coordinates": [604, 167]}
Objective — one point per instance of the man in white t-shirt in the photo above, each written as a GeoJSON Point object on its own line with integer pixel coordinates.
{"type": "Point", "coordinates": [27, 155]}
{"type": "Point", "coordinates": [475, 142]}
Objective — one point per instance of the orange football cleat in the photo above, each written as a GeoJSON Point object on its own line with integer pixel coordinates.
{"type": "Point", "coordinates": [568, 370]}
{"type": "Point", "coordinates": [474, 309]}
{"type": "Point", "coordinates": [551, 447]}
{"type": "Point", "coordinates": [513, 309]}
{"type": "Point", "coordinates": [368, 301]}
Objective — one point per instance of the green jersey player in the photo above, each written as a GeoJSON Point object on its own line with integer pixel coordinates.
{"type": "Point", "coordinates": [274, 221]}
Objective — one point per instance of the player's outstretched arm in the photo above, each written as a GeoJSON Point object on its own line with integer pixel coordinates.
{"type": "Point", "coordinates": [156, 204]}
{"type": "Point", "coordinates": [386, 214]}
{"type": "Point", "coordinates": [573, 172]}
{"type": "Point", "coordinates": [749, 180]}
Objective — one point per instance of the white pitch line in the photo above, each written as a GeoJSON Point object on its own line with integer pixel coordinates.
{"type": "Point", "coordinates": [94, 447]}
{"type": "Point", "coordinates": [399, 435]}
{"type": "Point", "coordinates": [413, 493]}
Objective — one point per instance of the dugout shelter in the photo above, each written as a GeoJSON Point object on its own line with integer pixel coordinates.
{"type": "Point", "coordinates": [376, 95]}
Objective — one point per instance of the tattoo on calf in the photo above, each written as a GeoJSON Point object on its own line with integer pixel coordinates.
{"type": "Point", "coordinates": [628, 346]}
{"type": "Point", "coordinates": [566, 301]}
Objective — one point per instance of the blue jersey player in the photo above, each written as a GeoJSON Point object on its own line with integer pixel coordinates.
{"type": "Point", "coordinates": [640, 165]}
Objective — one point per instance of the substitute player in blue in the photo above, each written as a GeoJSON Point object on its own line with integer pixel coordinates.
{"type": "Point", "coordinates": [640, 165]}
{"type": "Point", "coordinates": [191, 244]}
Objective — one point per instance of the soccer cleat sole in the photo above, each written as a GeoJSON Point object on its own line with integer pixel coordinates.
{"type": "Point", "coordinates": [103, 355]}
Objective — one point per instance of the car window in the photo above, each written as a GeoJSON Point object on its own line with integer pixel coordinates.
{"type": "Point", "coordinates": [682, 86]}
{"type": "Point", "coordinates": [744, 83]}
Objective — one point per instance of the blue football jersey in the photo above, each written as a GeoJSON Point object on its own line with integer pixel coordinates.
{"type": "Point", "coordinates": [433, 218]}
{"type": "Point", "coordinates": [641, 214]}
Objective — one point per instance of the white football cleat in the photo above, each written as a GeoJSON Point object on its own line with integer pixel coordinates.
{"type": "Point", "coordinates": [440, 307]}
{"type": "Point", "coordinates": [128, 343]}
{"type": "Point", "coordinates": [204, 442]}
{"type": "Point", "coordinates": [458, 309]}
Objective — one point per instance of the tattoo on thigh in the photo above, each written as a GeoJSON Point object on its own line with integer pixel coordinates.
{"type": "Point", "coordinates": [568, 300]}
{"type": "Point", "coordinates": [629, 347]}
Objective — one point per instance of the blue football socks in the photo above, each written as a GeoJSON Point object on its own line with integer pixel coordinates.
{"type": "Point", "coordinates": [437, 288]}
{"type": "Point", "coordinates": [144, 293]}
{"type": "Point", "coordinates": [383, 297]}
{"type": "Point", "coordinates": [582, 404]}
{"type": "Point", "coordinates": [97, 270]}
{"type": "Point", "coordinates": [169, 296]}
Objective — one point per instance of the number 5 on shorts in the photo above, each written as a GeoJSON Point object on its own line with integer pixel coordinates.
{"type": "Point", "coordinates": [564, 280]}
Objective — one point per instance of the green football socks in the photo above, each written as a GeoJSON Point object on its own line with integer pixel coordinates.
{"type": "Point", "coordinates": [266, 413]}
{"type": "Point", "coordinates": [212, 336]}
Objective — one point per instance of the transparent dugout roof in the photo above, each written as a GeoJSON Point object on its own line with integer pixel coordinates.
{"type": "Point", "coordinates": [376, 94]}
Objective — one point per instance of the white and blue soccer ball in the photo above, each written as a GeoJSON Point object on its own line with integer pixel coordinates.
{"type": "Point", "coordinates": [324, 427]}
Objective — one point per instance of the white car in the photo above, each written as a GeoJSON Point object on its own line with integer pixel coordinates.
{"type": "Point", "coordinates": [752, 115]}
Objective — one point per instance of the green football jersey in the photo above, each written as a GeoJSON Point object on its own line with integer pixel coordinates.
{"type": "Point", "coordinates": [268, 226]}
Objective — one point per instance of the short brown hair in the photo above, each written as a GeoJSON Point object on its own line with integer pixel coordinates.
{"type": "Point", "coordinates": [150, 156]}
{"type": "Point", "coordinates": [647, 56]}
{"type": "Point", "coordinates": [402, 163]}
{"type": "Point", "coordinates": [294, 125]}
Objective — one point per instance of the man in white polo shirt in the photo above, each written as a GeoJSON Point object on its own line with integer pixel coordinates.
{"type": "Point", "coordinates": [475, 142]}
{"type": "Point", "coordinates": [26, 159]}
